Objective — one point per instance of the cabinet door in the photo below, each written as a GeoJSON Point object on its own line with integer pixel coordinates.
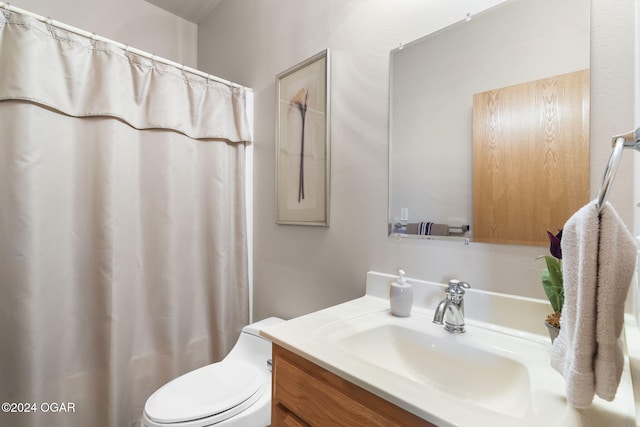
{"type": "Point", "coordinates": [305, 394]}
{"type": "Point", "coordinates": [530, 158]}
{"type": "Point", "coordinates": [282, 417]}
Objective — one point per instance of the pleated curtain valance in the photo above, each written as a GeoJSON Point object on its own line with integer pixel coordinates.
{"type": "Point", "coordinates": [71, 74]}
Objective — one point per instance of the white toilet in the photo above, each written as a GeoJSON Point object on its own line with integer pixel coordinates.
{"type": "Point", "coordinates": [235, 392]}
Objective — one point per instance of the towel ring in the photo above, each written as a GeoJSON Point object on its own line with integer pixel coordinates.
{"type": "Point", "coordinates": [610, 173]}
{"type": "Point", "coordinates": [620, 142]}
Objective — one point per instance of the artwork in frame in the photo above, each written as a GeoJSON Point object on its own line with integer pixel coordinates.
{"type": "Point", "coordinates": [302, 143]}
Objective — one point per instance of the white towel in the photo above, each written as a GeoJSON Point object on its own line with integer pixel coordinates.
{"type": "Point", "coordinates": [573, 349]}
{"type": "Point", "coordinates": [598, 263]}
{"type": "Point", "coordinates": [616, 265]}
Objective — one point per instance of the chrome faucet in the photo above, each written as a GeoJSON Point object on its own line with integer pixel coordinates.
{"type": "Point", "coordinates": [451, 309]}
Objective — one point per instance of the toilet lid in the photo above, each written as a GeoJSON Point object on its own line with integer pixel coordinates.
{"type": "Point", "coordinates": [210, 390]}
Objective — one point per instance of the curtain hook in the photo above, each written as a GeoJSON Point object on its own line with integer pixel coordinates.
{"type": "Point", "coordinates": [50, 24]}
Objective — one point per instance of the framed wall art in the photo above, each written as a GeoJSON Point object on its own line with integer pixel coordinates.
{"type": "Point", "coordinates": [302, 143]}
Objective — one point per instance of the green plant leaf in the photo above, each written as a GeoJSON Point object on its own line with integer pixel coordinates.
{"type": "Point", "coordinates": [552, 282]}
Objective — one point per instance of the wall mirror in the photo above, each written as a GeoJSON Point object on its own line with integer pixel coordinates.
{"type": "Point", "coordinates": [433, 82]}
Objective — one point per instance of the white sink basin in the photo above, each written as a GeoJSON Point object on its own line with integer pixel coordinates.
{"type": "Point", "coordinates": [453, 364]}
{"type": "Point", "coordinates": [481, 367]}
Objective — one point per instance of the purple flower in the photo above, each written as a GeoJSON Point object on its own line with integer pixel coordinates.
{"type": "Point", "coordinates": [555, 248]}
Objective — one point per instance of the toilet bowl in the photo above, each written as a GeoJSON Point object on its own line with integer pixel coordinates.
{"type": "Point", "coordinates": [235, 392]}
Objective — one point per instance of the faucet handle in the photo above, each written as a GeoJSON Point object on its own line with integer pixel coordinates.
{"type": "Point", "coordinates": [456, 287]}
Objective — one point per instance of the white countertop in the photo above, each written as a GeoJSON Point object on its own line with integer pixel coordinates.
{"type": "Point", "coordinates": [486, 311]}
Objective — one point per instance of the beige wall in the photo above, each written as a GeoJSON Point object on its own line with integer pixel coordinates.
{"type": "Point", "coordinates": [301, 269]}
{"type": "Point", "coordinates": [133, 22]}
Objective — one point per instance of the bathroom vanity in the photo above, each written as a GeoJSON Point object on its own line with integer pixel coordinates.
{"type": "Point", "coordinates": [306, 394]}
{"type": "Point", "coordinates": [356, 364]}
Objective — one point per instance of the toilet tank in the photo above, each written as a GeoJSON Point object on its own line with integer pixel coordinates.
{"type": "Point", "coordinates": [254, 328]}
{"type": "Point", "coordinates": [253, 348]}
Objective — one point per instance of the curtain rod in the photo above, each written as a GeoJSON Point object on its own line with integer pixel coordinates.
{"type": "Point", "coordinates": [127, 48]}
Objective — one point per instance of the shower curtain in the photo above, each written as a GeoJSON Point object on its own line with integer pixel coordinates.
{"type": "Point", "coordinates": [123, 249]}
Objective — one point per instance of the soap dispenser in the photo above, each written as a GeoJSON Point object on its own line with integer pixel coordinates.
{"type": "Point", "coordinates": [401, 296]}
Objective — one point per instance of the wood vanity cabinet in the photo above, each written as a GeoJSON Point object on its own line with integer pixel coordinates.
{"type": "Point", "coordinates": [305, 394]}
